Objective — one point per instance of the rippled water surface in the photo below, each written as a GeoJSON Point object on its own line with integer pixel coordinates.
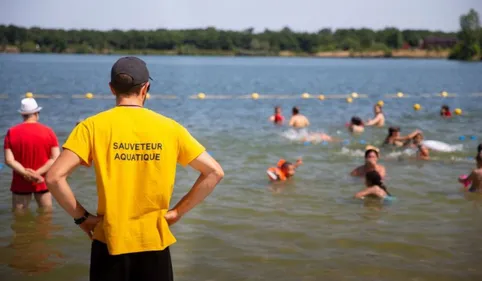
{"type": "Point", "coordinates": [309, 228]}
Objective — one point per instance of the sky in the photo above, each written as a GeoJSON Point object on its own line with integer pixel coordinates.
{"type": "Point", "coordinates": [298, 15]}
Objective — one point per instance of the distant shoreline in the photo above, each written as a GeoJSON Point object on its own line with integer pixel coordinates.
{"type": "Point", "coordinates": [406, 54]}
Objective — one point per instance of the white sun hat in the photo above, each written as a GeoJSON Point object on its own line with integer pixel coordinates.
{"type": "Point", "coordinates": [29, 106]}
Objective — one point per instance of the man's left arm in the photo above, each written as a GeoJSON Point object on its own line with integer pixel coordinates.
{"type": "Point", "coordinates": [54, 154]}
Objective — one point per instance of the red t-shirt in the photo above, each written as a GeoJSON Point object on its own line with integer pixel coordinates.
{"type": "Point", "coordinates": [31, 145]}
{"type": "Point", "coordinates": [278, 118]}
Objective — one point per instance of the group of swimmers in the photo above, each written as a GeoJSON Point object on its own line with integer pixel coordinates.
{"type": "Point", "coordinates": [373, 172]}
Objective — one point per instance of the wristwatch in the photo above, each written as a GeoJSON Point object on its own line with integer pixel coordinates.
{"type": "Point", "coordinates": [82, 219]}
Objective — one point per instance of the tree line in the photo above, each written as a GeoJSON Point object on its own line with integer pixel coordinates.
{"type": "Point", "coordinates": [268, 42]}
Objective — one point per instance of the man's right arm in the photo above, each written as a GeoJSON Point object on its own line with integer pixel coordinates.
{"type": "Point", "coordinates": [12, 163]}
{"type": "Point", "coordinates": [211, 175]}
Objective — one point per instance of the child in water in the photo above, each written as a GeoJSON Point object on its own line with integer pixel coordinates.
{"type": "Point", "coordinates": [283, 170]}
{"type": "Point", "coordinates": [356, 125]}
{"type": "Point", "coordinates": [423, 153]}
{"type": "Point", "coordinates": [475, 177]}
{"type": "Point", "coordinates": [277, 118]}
{"type": "Point", "coordinates": [445, 111]}
{"type": "Point", "coordinates": [374, 187]}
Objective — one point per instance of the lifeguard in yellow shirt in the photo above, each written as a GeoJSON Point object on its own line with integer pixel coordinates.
{"type": "Point", "coordinates": [135, 151]}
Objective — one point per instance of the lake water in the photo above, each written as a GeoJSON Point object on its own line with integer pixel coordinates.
{"type": "Point", "coordinates": [309, 228]}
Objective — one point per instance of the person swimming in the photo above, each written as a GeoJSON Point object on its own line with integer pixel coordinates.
{"type": "Point", "coordinates": [445, 111]}
{"type": "Point", "coordinates": [298, 120]}
{"type": "Point", "coordinates": [277, 118]}
{"type": "Point", "coordinates": [475, 177]}
{"type": "Point", "coordinates": [379, 120]}
{"type": "Point", "coordinates": [283, 170]}
{"type": "Point", "coordinates": [374, 187]}
{"type": "Point", "coordinates": [319, 137]}
{"type": "Point", "coordinates": [394, 137]}
{"type": "Point", "coordinates": [423, 153]}
{"type": "Point", "coordinates": [356, 125]}
{"type": "Point", "coordinates": [372, 154]}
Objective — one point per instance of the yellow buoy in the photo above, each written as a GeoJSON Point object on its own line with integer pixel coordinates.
{"type": "Point", "coordinates": [255, 96]}
{"type": "Point", "coordinates": [89, 96]}
{"type": "Point", "coordinates": [305, 95]}
{"type": "Point", "coordinates": [29, 95]}
{"type": "Point", "coordinates": [201, 96]}
{"type": "Point", "coordinates": [349, 100]}
{"type": "Point", "coordinates": [458, 111]}
{"type": "Point", "coordinates": [321, 97]}
{"type": "Point", "coordinates": [355, 95]}
{"type": "Point", "coordinates": [417, 106]}
{"type": "Point", "coordinates": [148, 96]}
{"type": "Point", "coordinates": [380, 103]}
{"type": "Point", "coordinates": [444, 94]}
{"type": "Point", "coordinates": [400, 94]}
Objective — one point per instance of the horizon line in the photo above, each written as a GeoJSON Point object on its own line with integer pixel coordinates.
{"type": "Point", "coordinates": [333, 29]}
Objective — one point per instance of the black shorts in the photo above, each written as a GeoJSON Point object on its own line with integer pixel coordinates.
{"type": "Point", "coordinates": [143, 266]}
{"type": "Point", "coordinates": [28, 192]}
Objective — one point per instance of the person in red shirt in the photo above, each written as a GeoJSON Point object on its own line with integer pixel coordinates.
{"type": "Point", "coordinates": [445, 111]}
{"type": "Point", "coordinates": [30, 149]}
{"type": "Point", "coordinates": [277, 118]}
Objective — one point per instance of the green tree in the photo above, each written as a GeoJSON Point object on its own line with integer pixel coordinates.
{"type": "Point", "coordinates": [469, 46]}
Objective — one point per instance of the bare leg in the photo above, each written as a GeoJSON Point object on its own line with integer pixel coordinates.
{"type": "Point", "coordinates": [20, 202]}
{"type": "Point", "coordinates": [44, 201]}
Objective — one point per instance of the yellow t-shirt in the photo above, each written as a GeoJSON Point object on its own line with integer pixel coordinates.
{"type": "Point", "coordinates": [135, 152]}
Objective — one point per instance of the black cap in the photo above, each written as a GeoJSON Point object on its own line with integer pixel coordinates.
{"type": "Point", "coordinates": [133, 67]}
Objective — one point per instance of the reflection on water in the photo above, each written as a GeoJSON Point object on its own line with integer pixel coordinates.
{"type": "Point", "coordinates": [30, 250]}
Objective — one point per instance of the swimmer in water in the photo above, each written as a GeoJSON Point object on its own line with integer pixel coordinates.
{"type": "Point", "coordinates": [374, 187]}
{"type": "Point", "coordinates": [319, 137]}
{"type": "Point", "coordinates": [298, 120]}
{"type": "Point", "coordinates": [356, 125]}
{"type": "Point", "coordinates": [394, 137]}
{"type": "Point", "coordinates": [371, 163]}
{"type": "Point", "coordinates": [283, 170]}
{"type": "Point", "coordinates": [423, 153]}
{"type": "Point", "coordinates": [277, 117]}
{"type": "Point", "coordinates": [445, 111]}
{"type": "Point", "coordinates": [379, 120]}
{"type": "Point", "coordinates": [475, 176]}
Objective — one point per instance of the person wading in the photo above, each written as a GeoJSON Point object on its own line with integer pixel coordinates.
{"type": "Point", "coordinates": [135, 152]}
{"type": "Point", "coordinates": [30, 150]}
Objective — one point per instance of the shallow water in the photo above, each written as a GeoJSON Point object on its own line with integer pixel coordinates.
{"type": "Point", "coordinates": [309, 228]}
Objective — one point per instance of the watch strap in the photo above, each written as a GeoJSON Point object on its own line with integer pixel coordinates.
{"type": "Point", "coordinates": [81, 219]}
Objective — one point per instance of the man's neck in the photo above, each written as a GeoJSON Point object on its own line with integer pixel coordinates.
{"type": "Point", "coordinates": [128, 101]}
{"type": "Point", "coordinates": [30, 120]}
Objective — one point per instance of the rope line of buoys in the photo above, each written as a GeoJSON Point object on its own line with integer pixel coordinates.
{"type": "Point", "coordinates": [349, 98]}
